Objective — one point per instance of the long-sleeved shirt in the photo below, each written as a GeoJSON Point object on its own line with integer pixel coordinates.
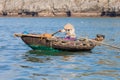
{"type": "Point", "coordinates": [69, 33]}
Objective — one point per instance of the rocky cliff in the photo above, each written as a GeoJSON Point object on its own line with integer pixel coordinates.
{"type": "Point", "coordinates": [57, 7]}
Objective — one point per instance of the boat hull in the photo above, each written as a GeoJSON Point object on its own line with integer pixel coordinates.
{"type": "Point", "coordinates": [37, 43]}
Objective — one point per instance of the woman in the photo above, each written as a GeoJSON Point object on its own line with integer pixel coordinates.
{"type": "Point", "coordinates": [69, 31]}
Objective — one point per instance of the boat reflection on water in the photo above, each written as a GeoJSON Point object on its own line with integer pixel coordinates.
{"type": "Point", "coordinates": [40, 56]}
{"type": "Point", "coordinates": [56, 52]}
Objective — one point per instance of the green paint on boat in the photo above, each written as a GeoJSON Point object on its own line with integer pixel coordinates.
{"type": "Point", "coordinates": [44, 48]}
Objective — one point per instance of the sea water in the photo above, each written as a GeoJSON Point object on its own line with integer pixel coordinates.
{"type": "Point", "coordinates": [19, 62]}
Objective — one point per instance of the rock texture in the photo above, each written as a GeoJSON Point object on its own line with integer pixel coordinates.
{"type": "Point", "coordinates": [57, 7]}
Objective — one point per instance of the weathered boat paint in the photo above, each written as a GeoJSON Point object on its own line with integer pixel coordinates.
{"type": "Point", "coordinates": [38, 43]}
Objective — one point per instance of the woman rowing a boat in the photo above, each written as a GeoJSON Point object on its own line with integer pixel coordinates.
{"type": "Point", "coordinates": [69, 31]}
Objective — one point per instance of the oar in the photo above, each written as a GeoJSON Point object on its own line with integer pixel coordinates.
{"type": "Point", "coordinates": [46, 35]}
{"type": "Point", "coordinates": [110, 45]}
{"type": "Point", "coordinates": [55, 33]}
{"type": "Point", "coordinates": [103, 43]}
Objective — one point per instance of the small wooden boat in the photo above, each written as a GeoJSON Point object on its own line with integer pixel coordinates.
{"type": "Point", "coordinates": [47, 41]}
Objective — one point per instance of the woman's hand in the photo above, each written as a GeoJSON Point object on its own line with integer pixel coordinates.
{"type": "Point", "coordinates": [60, 30]}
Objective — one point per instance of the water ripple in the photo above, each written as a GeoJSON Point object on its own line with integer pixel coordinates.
{"type": "Point", "coordinates": [19, 62]}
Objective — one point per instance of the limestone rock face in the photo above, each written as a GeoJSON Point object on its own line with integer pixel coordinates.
{"type": "Point", "coordinates": [57, 6]}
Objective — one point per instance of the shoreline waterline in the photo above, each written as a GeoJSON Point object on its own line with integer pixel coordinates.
{"type": "Point", "coordinates": [57, 17]}
{"type": "Point", "coordinates": [76, 15]}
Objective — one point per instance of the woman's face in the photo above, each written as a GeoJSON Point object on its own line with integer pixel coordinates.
{"type": "Point", "coordinates": [67, 30]}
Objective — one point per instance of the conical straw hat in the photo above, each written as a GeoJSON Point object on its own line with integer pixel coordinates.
{"type": "Point", "coordinates": [68, 26]}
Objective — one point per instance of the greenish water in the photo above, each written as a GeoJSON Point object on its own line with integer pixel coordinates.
{"type": "Point", "coordinates": [20, 62]}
